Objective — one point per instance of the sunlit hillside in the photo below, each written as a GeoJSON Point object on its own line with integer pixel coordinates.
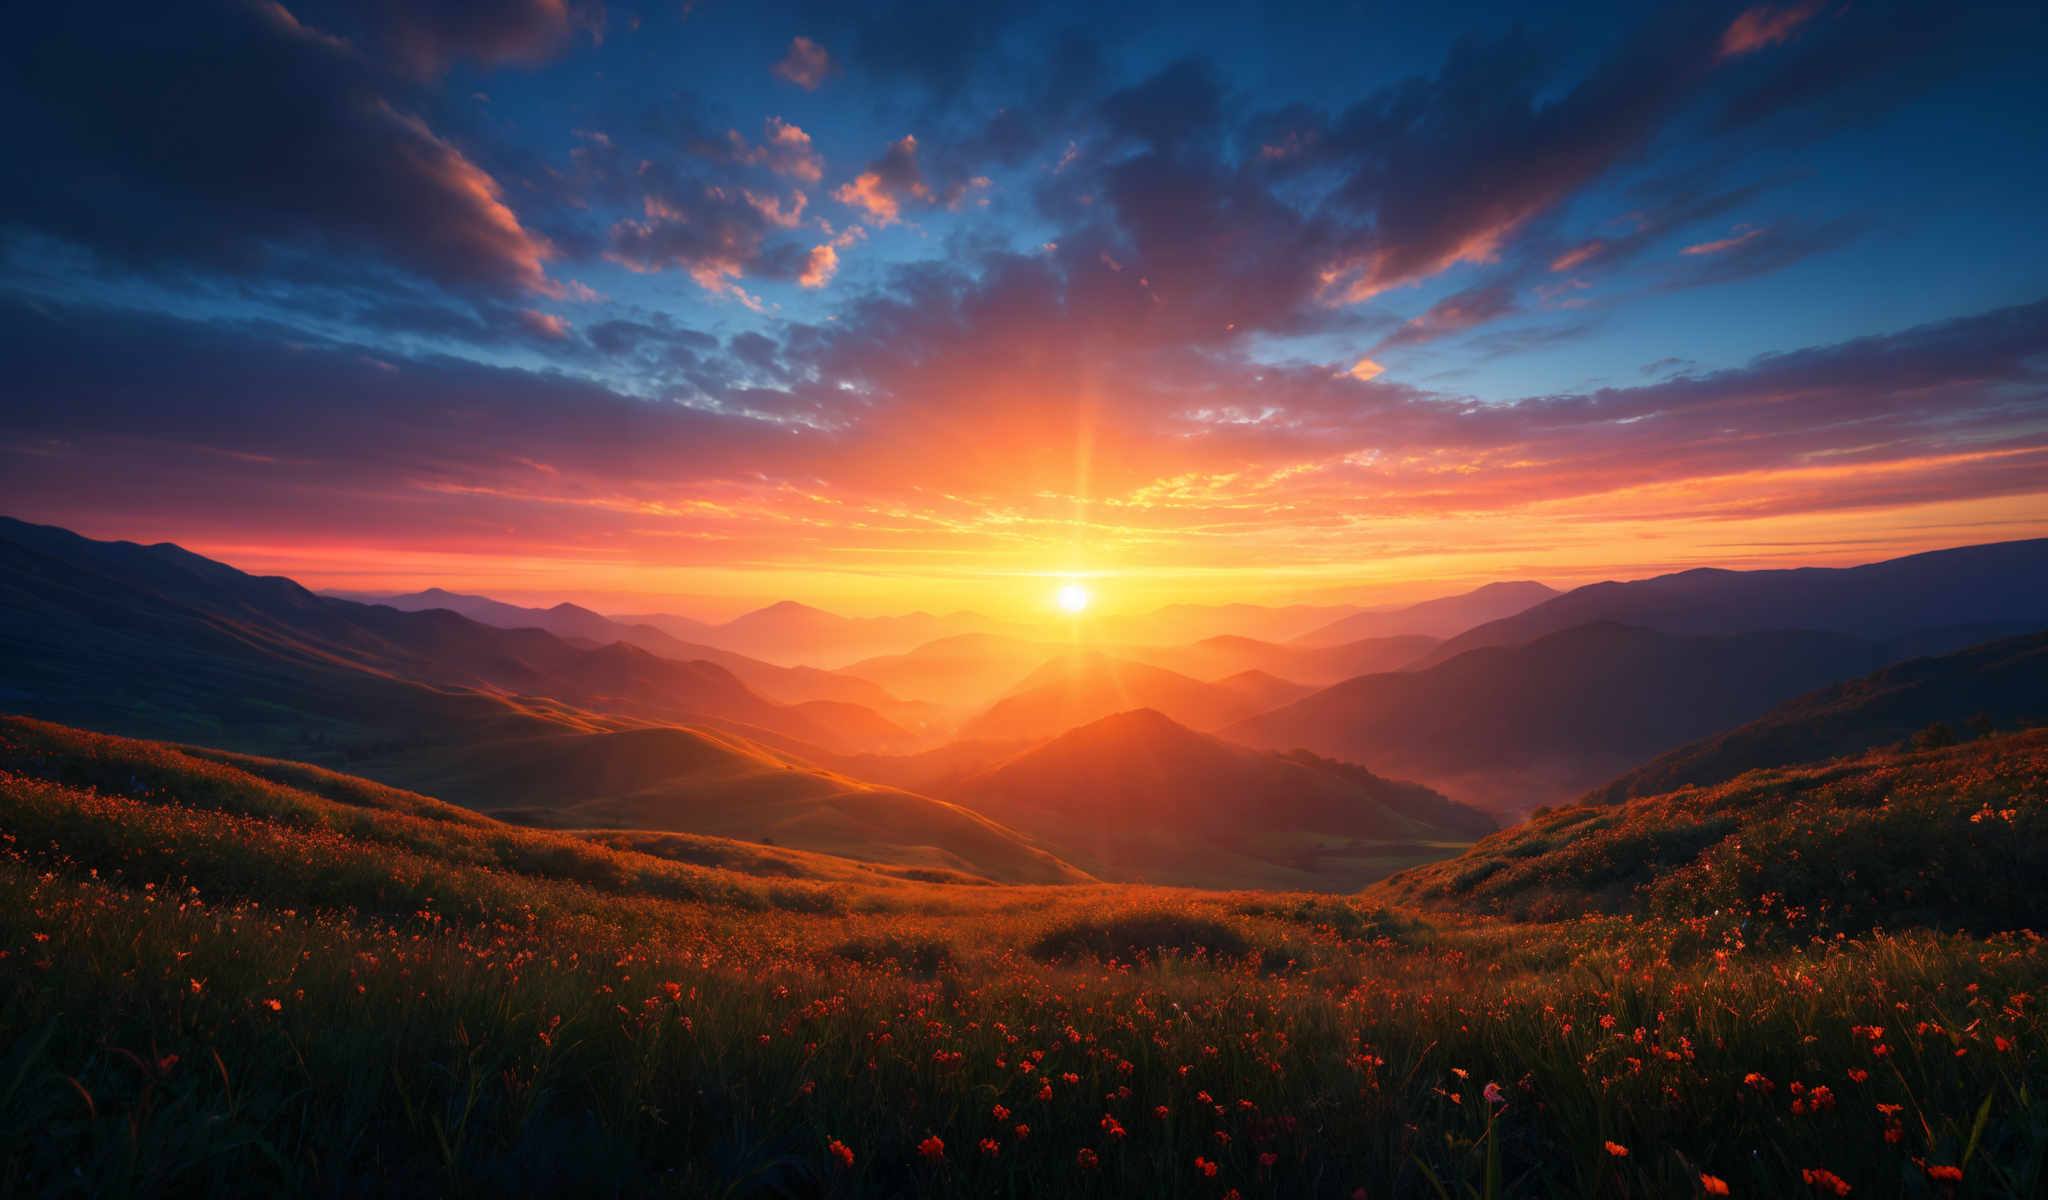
{"type": "Point", "coordinates": [1952, 838]}
{"type": "Point", "coordinates": [239, 977]}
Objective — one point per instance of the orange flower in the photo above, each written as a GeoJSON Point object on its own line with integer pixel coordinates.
{"type": "Point", "coordinates": [1944, 1174]}
{"type": "Point", "coordinates": [839, 1151]}
{"type": "Point", "coordinates": [1713, 1185]}
{"type": "Point", "coordinates": [1824, 1181]}
{"type": "Point", "coordinates": [1617, 1149]}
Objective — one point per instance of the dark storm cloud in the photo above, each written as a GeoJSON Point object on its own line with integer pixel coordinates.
{"type": "Point", "coordinates": [228, 138]}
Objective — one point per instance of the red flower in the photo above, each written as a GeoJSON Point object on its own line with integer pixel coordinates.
{"type": "Point", "coordinates": [1023, 1131]}
{"type": "Point", "coordinates": [839, 1151]}
{"type": "Point", "coordinates": [1824, 1181]}
{"type": "Point", "coordinates": [1205, 1166]}
{"type": "Point", "coordinates": [1086, 1159]}
{"type": "Point", "coordinates": [989, 1149]}
{"type": "Point", "coordinates": [1001, 1113]}
{"type": "Point", "coordinates": [1943, 1174]}
{"type": "Point", "coordinates": [1617, 1149]}
{"type": "Point", "coordinates": [1713, 1185]}
{"type": "Point", "coordinates": [932, 1148]}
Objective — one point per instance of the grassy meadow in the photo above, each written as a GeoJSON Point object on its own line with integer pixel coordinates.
{"type": "Point", "coordinates": [227, 976]}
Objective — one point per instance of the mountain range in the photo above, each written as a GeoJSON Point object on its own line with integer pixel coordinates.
{"type": "Point", "coordinates": [1997, 685]}
{"type": "Point", "coordinates": [1513, 727]}
{"type": "Point", "coordinates": [1925, 603]}
{"type": "Point", "coordinates": [972, 748]}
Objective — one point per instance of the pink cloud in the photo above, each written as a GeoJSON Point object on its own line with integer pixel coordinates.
{"type": "Point", "coordinates": [819, 267]}
{"type": "Point", "coordinates": [1765, 26]}
{"type": "Point", "coordinates": [1742, 234]}
{"type": "Point", "coordinates": [806, 65]}
{"type": "Point", "coordinates": [785, 149]}
{"type": "Point", "coordinates": [546, 325]}
{"type": "Point", "coordinates": [890, 181]}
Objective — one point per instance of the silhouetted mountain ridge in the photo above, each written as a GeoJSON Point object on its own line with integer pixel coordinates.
{"type": "Point", "coordinates": [1138, 795]}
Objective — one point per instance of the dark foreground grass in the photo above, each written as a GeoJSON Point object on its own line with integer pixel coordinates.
{"type": "Point", "coordinates": [240, 998]}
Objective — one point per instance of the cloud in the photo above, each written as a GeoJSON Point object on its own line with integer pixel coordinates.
{"type": "Point", "coordinates": [1764, 26]}
{"type": "Point", "coordinates": [819, 267]}
{"type": "Point", "coordinates": [888, 184]}
{"type": "Point", "coordinates": [1760, 251]}
{"type": "Point", "coordinates": [806, 65]}
{"type": "Point", "coordinates": [237, 141]}
{"type": "Point", "coordinates": [717, 235]}
{"type": "Point", "coordinates": [939, 420]}
{"type": "Point", "coordinates": [546, 325]}
{"type": "Point", "coordinates": [785, 150]}
{"type": "Point", "coordinates": [1365, 370]}
{"type": "Point", "coordinates": [428, 34]}
{"type": "Point", "coordinates": [1743, 235]}
{"type": "Point", "coordinates": [1455, 314]}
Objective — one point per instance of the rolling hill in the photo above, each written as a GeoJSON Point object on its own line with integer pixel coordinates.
{"type": "Point", "coordinates": [1929, 603]}
{"type": "Point", "coordinates": [1951, 838]}
{"type": "Point", "coordinates": [86, 649]}
{"type": "Point", "coordinates": [298, 793]}
{"type": "Point", "coordinates": [1444, 617]}
{"type": "Point", "coordinates": [1075, 689]}
{"type": "Point", "coordinates": [1137, 796]}
{"type": "Point", "coordinates": [2004, 683]}
{"type": "Point", "coordinates": [1512, 727]}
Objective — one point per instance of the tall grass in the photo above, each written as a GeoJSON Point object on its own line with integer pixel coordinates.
{"type": "Point", "coordinates": [275, 1000]}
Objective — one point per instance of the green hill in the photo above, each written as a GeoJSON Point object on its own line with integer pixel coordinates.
{"type": "Point", "coordinates": [1955, 838]}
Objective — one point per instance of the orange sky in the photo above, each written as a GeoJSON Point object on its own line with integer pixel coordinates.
{"type": "Point", "coordinates": [994, 570]}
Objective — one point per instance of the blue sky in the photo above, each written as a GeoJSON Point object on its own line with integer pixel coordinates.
{"type": "Point", "coordinates": [929, 296]}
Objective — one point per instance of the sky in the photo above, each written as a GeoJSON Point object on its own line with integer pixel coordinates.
{"type": "Point", "coordinates": [892, 306]}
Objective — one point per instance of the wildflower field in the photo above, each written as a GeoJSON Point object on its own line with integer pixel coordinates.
{"type": "Point", "coordinates": [232, 977]}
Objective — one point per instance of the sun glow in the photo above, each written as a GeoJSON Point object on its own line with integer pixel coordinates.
{"type": "Point", "coordinates": [1073, 597]}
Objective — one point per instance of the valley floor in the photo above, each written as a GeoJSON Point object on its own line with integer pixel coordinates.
{"type": "Point", "coordinates": [213, 983]}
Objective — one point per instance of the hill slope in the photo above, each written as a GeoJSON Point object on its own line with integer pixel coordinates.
{"type": "Point", "coordinates": [86, 649]}
{"type": "Point", "coordinates": [1943, 600]}
{"type": "Point", "coordinates": [2004, 682]}
{"type": "Point", "coordinates": [1513, 727]}
{"type": "Point", "coordinates": [1136, 796]}
{"type": "Point", "coordinates": [1956, 837]}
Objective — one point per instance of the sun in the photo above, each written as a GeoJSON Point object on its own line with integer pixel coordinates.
{"type": "Point", "coordinates": [1073, 597]}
